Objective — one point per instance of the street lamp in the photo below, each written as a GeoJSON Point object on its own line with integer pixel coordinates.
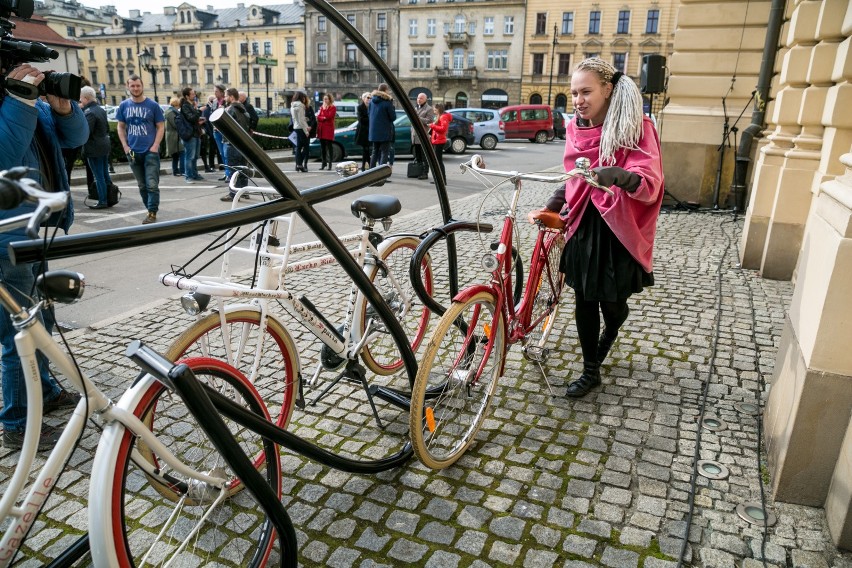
{"type": "Point", "coordinates": [552, 55]}
{"type": "Point", "coordinates": [146, 61]}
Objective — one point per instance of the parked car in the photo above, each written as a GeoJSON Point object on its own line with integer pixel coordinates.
{"type": "Point", "coordinates": [459, 137]}
{"type": "Point", "coordinates": [346, 109]}
{"type": "Point", "coordinates": [531, 122]}
{"type": "Point", "coordinates": [487, 128]}
{"type": "Point", "coordinates": [280, 113]}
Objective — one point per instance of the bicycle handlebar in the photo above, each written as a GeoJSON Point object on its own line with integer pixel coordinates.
{"type": "Point", "coordinates": [581, 169]}
{"type": "Point", "coordinates": [16, 189]}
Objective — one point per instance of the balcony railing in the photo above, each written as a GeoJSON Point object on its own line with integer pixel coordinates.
{"type": "Point", "coordinates": [447, 73]}
{"type": "Point", "coordinates": [348, 65]}
{"type": "Point", "coordinates": [456, 38]}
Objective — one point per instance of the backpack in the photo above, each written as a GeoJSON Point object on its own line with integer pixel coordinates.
{"type": "Point", "coordinates": [113, 194]}
{"type": "Point", "coordinates": [184, 129]}
{"type": "Point", "coordinates": [311, 119]}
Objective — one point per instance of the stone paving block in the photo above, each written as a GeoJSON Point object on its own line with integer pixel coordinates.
{"type": "Point", "coordinates": [407, 551]}
{"type": "Point", "coordinates": [443, 559]}
{"type": "Point", "coordinates": [597, 528]}
{"type": "Point", "coordinates": [808, 559]}
{"type": "Point", "coordinates": [437, 533]}
{"type": "Point", "coordinates": [540, 559]}
{"type": "Point", "coordinates": [579, 545]}
{"type": "Point", "coordinates": [471, 542]}
{"type": "Point", "coordinates": [619, 558]}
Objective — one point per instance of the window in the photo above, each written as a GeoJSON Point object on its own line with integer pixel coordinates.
{"type": "Point", "coordinates": [184, 76]}
{"type": "Point", "coordinates": [267, 48]}
{"type": "Point", "coordinates": [446, 60]}
{"type": "Point", "coordinates": [192, 51]}
{"type": "Point", "coordinates": [381, 21]}
{"type": "Point", "coordinates": [509, 25]}
{"type": "Point", "coordinates": [498, 60]}
{"type": "Point", "coordinates": [130, 53]}
{"type": "Point", "coordinates": [537, 63]}
{"type": "Point", "coordinates": [226, 76]}
{"type": "Point", "coordinates": [70, 31]}
{"type": "Point", "coordinates": [652, 24]}
{"type": "Point", "coordinates": [382, 49]}
{"type": "Point", "coordinates": [459, 25]}
{"type": "Point", "coordinates": [421, 60]}
{"type": "Point", "coordinates": [193, 76]}
{"type": "Point", "coordinates": [94, 75]}
{"type": "Point", "coordinates": [471, 59]}
{"type": "Point", "coordinates": [118, 54]}
{"type": "Point", "coordinates": [255, 75]}
{"type": "Point", "coordinates": [351, 19]}
{"type": "Point", "coordinates": [567, 23]}
{"type": "Point", "coordinates": [564, 67]}
{"type": "Point", "coordinates": [619, 61]}
{"type": "Point", "coordinates": [471, 28]}
{"type": "Point", "coordinates": [351, 53]}
{"type": "Point", "coordinates": [244, 75]}
{"type": "Point", "coordinates": [208, 76]}
{"type": "Point", "coordinates": [541, 23]}
{"type": "Point", "coordinates": [623, 22]}
{"type": "Point", "coordinates": [91, 55]}
{"type": "Point", "coordinates": [595, 22]}
{"type": "Point", "coordinates": [321, 76]}
{"type": "Point", "coordinates": [291, 74]}
{"type": "Point", "coordinates": [182, 51]}
{"type": "Point", "coordinates": [488, 25]}
{"type": "Point", "coordinates": [208, 50]}
{"type": "Point", "coordinates": [412, 27]}
{"type": "Point", "coordinates": [291, 47]}
{"type": "Point", "coordinates": [110, 77]}
{"type": "Point", "coordinates": [321, 24]}
{"type": "Point", "coordinates": [223, 50]}
{"type": "Point", "coordinates": [167, 77]}
{"type": "Point", "coordinates": [430, 27]}
{"type": "Point", "coordinates": [446, 28]}
{"type": "Point", "coordinates": [255, 48]}
{"type": "Point", "coordinates": [109, 54]}
{"type": "Point", "coordinates": [322, 53]}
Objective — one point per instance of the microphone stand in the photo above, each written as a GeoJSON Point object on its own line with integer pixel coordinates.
{"type": "Point", "coordinates": [721, 150]}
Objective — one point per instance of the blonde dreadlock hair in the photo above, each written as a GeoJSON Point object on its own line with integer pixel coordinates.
{"type": "Point", "coordinates": [622, 127]}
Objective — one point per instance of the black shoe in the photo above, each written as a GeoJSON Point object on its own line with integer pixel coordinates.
{"type": "Point", "coordinates": [423, 177]}
{"type": "Point", "coordinates": [46, 441]}
{"type": "Point", "coordinates": [99, 206]}
{"type": "Point", "coordinates": [604, 345]}
{"type": "Point", "coordinates": [65, 399]}
{"type": "Point", "coordinates": [223, 178]}
{"type": "Point", "coordinates": [590, 379]}
{"type": "Point", "coordinates": [228, 197]}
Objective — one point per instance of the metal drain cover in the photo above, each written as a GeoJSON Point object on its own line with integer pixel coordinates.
{"type": "Point", "coordinates": [747, 408]}
{"type": "Point", "coordinates": [713, 423]}
{"type": "Point", "coordinates": [755, 514]}
{"type": "Point", "coordinates": [712, 470]}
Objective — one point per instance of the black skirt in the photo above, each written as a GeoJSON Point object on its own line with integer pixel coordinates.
{"type": "Point", "coordinates": [597, 265]}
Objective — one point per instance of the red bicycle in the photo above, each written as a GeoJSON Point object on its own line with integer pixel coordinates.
{"type": "Point", "coordinates": [458, 373]}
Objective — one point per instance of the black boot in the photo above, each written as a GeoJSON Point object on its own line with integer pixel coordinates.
{"type": "Point", "coordinates": [604, 345]}
{"type": "Point", "coordinates": [588, 380]}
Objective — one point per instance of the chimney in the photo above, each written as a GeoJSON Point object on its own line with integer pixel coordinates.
{"type": "Point", "coordinates": [241, 5]}
{"type": "Point", "coordinates": [134, 13]}
{"type": "Point", "coordinates": [210, 7]}
{"type": "Point", "coordinates": [169, 10]}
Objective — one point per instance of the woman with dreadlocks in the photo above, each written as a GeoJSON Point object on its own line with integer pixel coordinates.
{"type": "Point", "coordinates": [610, 239]}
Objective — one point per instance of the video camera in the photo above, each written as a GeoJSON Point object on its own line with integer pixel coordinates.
{"type": "Point", "coordinates": [14, 52]}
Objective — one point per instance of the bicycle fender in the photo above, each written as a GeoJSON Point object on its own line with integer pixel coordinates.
{"type": "Point", "coordinates": [471, 291]}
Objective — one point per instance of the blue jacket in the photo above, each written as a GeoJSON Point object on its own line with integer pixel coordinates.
{"type": "Point", "coordinates": [382, 115]}
{"type": "Point", "coordinates": [18, 124]}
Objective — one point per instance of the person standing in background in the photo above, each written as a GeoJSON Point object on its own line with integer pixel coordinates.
{"type": "Point", "coordinates": [439, 137]}
{"type": "Point", "coordinates": [96, 149]}
{"type": "Point", "coordinates": [174, 146]}
{"type": "Point", "coordinates": [211, 147]}
{"type": "Point", "coordinates": [219, 93]}
{"type": "Point", "coordinates": [237, 111]}
{"type": "Point", "coordinates": [191, 114]}
{"type": "Point", "coordinates": [382, 115]}
{"type": "Point", "coordinates": [141, 126]}
{"type": "Point", "coordinates": [325, 129]}
{"type": "Point", "coordinates": [300, 127]}
{"type": "Point", "coordinates": [426, 114]}
{"type": "Point", "coordinates": [252, 114]}
{"type": "Point", "coordinates": [362, 131]}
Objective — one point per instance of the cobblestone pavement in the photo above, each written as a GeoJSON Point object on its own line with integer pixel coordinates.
{"type": "Point", "coordinates": [601, 481]}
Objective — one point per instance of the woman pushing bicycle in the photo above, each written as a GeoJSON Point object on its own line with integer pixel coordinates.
{"type": "Point", "coordinates": [610, 238]}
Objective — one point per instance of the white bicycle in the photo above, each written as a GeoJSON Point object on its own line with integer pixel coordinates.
{"type": "Point", "coordinates": [252, 338]}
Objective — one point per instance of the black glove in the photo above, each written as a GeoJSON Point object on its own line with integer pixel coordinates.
{"type": "Point", "coordinates": [613, 175]}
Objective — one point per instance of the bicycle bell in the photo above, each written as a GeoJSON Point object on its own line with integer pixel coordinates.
{"type": "Point", "coordinates": [582, 164]}
{"type": "Point", "coordinates": [346, 169]}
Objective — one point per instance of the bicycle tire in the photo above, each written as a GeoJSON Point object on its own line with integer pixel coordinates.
{"type": "Point", "coordinates": [139, 522]}
{"type": "Point", "coordinates": [548, 290]}
{"type": "Point", "coordinates": [278, 371]}
{"type": "Point", "coordinates": [381, 355]}
{"type": "Point", "coordinates": [446, 409]}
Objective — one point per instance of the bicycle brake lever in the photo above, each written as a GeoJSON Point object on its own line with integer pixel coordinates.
{"type": "Point", "coordinates": [587, 177]}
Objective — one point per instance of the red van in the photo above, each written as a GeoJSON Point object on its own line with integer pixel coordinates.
{"type": "Point", "coordinates": [533, 122]}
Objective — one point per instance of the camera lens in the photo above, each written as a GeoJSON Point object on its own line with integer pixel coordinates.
{"type": "Point", "coordinates": [63, 85]}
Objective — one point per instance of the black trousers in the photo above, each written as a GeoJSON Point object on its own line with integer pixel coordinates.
{"type": "Point", "coordinates": [420, 157]}
{"type": "Point", "coordinates": [439, 152]}
{"type": "Point", "coordinates": [587, 315]}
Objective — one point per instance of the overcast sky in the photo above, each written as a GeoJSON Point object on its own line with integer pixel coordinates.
{"type": "Point", "coordinates": [156, 6]}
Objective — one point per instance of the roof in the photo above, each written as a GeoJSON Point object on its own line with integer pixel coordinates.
{"type": "Point", "coordinates": [212, 19]}
{"type": "Point", "coordinates": [36, 29]}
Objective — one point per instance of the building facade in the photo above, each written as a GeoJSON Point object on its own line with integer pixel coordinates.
{"type": "Point", "coordinates": [37, 29]}
{"type": "Point", "coordinates": [71, 19]}
{"type": "Point", "coordinates": [334, 64]}
{"type": "Point", "coordinates": [560, 35]}
{"type": "Point", "coordinates": [462, 54]}
{"type": "Point", "coordinates": [252, 47]}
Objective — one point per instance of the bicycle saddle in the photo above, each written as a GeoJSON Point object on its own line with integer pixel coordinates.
{"type": "Point", "coordinates": [376, 206]}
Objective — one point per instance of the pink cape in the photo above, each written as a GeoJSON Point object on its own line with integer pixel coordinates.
{"type": "Point", "coordinates": [632, 217]}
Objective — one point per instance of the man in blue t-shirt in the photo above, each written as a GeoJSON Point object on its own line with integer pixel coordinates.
{"type": "Point", "coordinates": [141, 125]}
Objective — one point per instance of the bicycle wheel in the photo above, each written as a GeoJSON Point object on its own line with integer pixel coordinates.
{"type": "Point", "coordinates": [545, 300]}
{"type": "Point", "coordinates": [268, 359]}
{"type": "Point", "coordinates": [191, 523]}
{"type": "Point", "coordinates": [456, 380]}
{"type": "Point", "coordinates": [380, 354]}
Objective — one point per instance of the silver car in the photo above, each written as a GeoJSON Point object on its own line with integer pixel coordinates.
{"type": "Point", "coordinates": [487, 128]}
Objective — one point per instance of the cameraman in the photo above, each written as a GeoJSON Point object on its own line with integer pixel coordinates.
{"type": "Point", "coordinates": [33, 134]}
